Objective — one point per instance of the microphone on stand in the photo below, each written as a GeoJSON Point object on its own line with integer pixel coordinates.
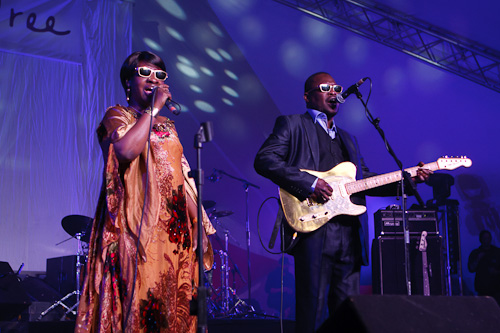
{"type": "Point", "coordinates": [341, 97]}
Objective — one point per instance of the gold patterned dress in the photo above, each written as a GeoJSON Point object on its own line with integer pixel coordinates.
{"type": "Point", "coordinates": [154, 295]}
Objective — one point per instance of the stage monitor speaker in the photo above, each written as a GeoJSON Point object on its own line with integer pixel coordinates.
{"type": "Point", "coordinates": [388, 266]}
{"type": "Point", "coordinates": [430, 314]}
{"type": "Point", "coordinates": [13, 298]}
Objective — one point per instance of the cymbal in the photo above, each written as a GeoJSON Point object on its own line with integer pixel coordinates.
{"type": "Point", "coordinates": [208, 204]}
{"type": "Point", "coordinates": [74, 224]}
{"type": "Point", "coordinates": [221, 213]}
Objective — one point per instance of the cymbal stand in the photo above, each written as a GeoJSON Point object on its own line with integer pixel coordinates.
{"type": "Point", "coordinates": [225, 273]}
{"type": "Point", "coordinates": [246, 185]}
{"type": "Point", "coordinates": [226, 297]}
{"type": "Point", "coordinates": [76, 292]}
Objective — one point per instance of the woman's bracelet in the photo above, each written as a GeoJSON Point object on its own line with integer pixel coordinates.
{"type": "Point", "coordinates": [152, 112]}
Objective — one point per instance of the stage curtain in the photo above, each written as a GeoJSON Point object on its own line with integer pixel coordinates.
{"type": "Point", "coordinates": [50, 161]}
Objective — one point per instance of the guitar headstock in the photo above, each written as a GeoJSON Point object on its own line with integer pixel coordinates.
{"type": "Point", "coordinates": [422, 247]}
{"type": "Point", "coordinates": [451, 163]}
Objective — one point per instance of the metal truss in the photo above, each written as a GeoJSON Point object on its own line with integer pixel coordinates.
{"type": "Point", "coordinates": [424, 41]}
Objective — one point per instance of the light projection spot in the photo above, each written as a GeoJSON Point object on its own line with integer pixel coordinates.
{"type": "Point", "coordinates": [174, 33]}
{"type": "Point", "coordinates": [200, 35]}
{"type": "Point", "coordinates": [356, 51]}
{"type": "Point", "coordinates": [252, 29]}
{"type": "Point", "coordinates": [318, 33]}
{"type": "Point", "coordinates": [227, 101]}
{"type": "Point", "coordinates": [195, 88]}
{"type": "Point", "coordinates": [214, 55]}
{"type": "Point", "coordinates": [230, 91]}
{"type": "Point", "coordinates": [293, 57]}
{"type": "Point", "coordinates": [215, 29]}
{"type": "Point", "coordinates": [394, 80]}
{"type": "Point", "coordinates": [172, 8]}
{"type": "Point", "coordinates": [184, 60]}
{"type": "Point", "coordinates": [206, 71]}
{"type": "Point", "coordinates": [152, 44]}
{"type": "Point", "coordinates": [225, 54]}
{"type": "Point", "coordinates": [187, 70]}
{"type": "Point", "coordinates": [231, 74]}
{"type": "Point", "coordinates": [204, 106]}
{"type": "Point", "coordinates": [233, 7]}
{"type": "Point", "coordinates": [424, 77]}
{"type": "Point", "coordinates": [351, 112]}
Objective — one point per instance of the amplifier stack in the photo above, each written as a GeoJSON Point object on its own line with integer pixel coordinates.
{"type": "Point", "coordinates": [388, 253]}
{"type": "Point", "coordinates": [389, 222]}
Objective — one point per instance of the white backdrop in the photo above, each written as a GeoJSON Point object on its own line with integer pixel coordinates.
{"type": "Point", "coordinates": [53, 93]}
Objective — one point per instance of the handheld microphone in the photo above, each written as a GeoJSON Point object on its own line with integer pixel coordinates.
{"type": "Point", "coordinates": [173, 106]}
{"type": "Point", "coordinates": [341, 97]}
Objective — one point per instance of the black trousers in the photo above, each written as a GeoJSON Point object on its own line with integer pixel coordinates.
{"type": "Point", "coordinates": [327, 265]}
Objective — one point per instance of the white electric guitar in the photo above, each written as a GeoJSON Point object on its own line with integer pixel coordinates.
{"type": "Point", "coordinates": [308, 215]}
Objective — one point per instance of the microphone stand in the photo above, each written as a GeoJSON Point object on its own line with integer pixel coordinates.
{"type": "Point", "coordinates": [246, 185]}
{"type": "Point", "coordinates": [199, 308]}
{"type": "Point", "coordinates": [405, 177]}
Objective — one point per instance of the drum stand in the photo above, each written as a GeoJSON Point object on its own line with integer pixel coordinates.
{"type": "Point", "coordinates": [231, 304]}
{"type": "Point", "coordinates": [76, 292]}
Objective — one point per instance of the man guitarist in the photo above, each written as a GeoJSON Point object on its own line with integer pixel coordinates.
{"type": "Point", "coordinates": [327, 260]}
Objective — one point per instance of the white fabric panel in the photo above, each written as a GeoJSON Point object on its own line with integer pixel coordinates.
{"type": "Point", "coordinates": [50, 162]}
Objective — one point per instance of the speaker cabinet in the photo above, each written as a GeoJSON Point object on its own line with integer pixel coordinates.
{"type": "Point", "coordinates": [42, 296]}
{"type": "Point", "coordinates": [61, 274]}
{"type": "Point", "coordinates": [388, 266]}
{"type": "Point", "coordinates": [13, 298]}
{"type": "Point", "coordinates": [430, 314]}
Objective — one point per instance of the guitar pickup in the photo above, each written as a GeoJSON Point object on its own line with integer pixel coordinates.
{"type": "Point", "coordinates": [310, 217]}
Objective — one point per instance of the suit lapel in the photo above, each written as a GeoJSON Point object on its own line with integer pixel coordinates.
{"type": "Point", "coordinates": [312, 138]}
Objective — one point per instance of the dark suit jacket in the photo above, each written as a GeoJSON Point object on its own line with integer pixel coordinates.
{"type": "Point", "coordinates": [293, 145]}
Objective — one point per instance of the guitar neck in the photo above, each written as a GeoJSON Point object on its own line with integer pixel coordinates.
{"type": "Point", "coordinates": [425, 272]}
{"type": "Point", "coordinates": [388, 178]}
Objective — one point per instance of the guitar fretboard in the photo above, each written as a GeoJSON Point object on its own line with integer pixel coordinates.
{"type": "Point", "coordinates": [388, 178]}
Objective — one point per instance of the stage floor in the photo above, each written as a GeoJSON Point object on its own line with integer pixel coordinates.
{"type": "Point", "coordinates": [214, 326]}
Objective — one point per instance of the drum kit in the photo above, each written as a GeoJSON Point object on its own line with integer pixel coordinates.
{"type": "Point", "coordinates": [80, 228]}
{"type": "Point", "coordinates": [223, 301]}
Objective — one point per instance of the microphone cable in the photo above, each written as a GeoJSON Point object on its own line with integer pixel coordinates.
{"type": "Point", "coordinates": [142, 219]}
{"type": "Point", "coordinates": [258, 225]}
{"type": "Point", "coordinates": [281, 230]}
{"type": "Point", "coordinates": [282, 253]}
